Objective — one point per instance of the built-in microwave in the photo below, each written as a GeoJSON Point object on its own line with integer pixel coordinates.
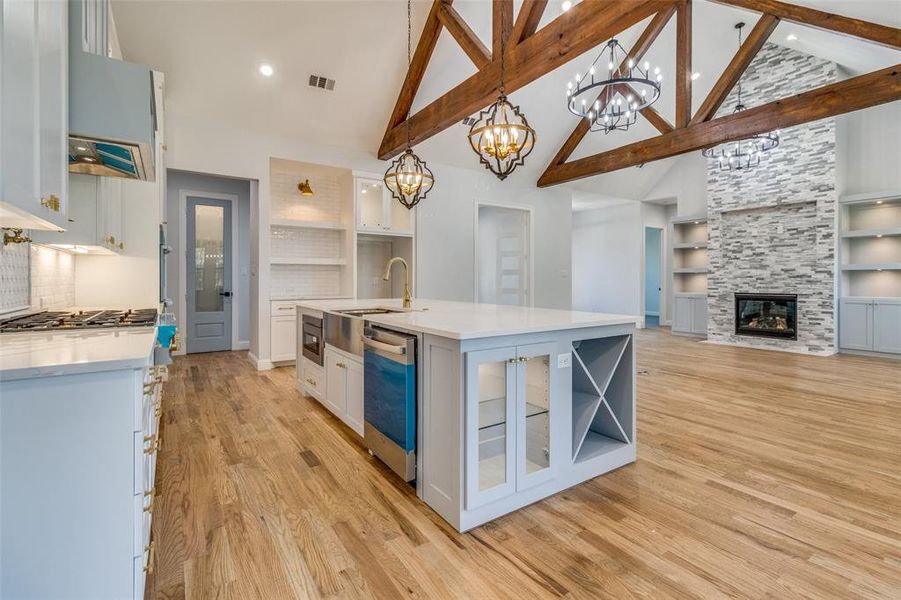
{"type": "Point", "coordinates": [312, 342]}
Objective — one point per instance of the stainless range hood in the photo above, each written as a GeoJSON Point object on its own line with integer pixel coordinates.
{"type": "Point", "coordinates": [112, 116]}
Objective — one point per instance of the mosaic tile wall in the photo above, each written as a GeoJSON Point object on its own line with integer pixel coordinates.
{"type": "Point", "coordinates": [773, 228]}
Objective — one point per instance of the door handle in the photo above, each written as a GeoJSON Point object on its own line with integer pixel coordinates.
{"type": "Point", "coordinates": [226, 294]}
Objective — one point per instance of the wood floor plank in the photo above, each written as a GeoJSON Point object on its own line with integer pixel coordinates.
{"type": "Point", "coordinates": [759, 474]}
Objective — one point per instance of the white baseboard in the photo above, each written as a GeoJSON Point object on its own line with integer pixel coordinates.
{"type": "Point", "coordinates": [261, 365]}
{"type": "Point", "coordinates": [241, 345]}
{"type": "Point", "coordinates": [667, 323]}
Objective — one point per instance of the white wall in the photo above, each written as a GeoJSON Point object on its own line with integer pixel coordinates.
{"type": "Point", "coordinates": [176, 182]}
{"type": "Point", "coordinates": [446, 229]}
{"type": "Point", "coordinates": [868, 150]}
{"type": "Point", "coordinates": [131, 279]}
{"type": "Point", "coordinates": [686, 182]}
{"type": "Point", "coordinates": [607, 248]}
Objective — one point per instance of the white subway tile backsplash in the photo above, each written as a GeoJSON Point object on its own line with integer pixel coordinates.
{"type": "Point", "coordinates": [48, 284]}
{"type": "Point", "coordinates": [300, 281]}
{"type": "Point", "coordinates": [306, 243]}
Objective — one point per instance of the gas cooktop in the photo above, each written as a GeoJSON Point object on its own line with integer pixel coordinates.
{"type": "Point", "coordinates": [82, 319]}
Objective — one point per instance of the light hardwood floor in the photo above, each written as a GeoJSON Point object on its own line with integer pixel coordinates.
{"type": "Point", "coordinates": [759, 475]}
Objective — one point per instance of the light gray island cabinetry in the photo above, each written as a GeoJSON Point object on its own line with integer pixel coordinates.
{"type": "Point", "coordinates": [514, 403]}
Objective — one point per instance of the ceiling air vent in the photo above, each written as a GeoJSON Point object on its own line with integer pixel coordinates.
{"type": "Point", "coordinates": [317, 81]}
{"type": "Point", "coordinates": [469, 121]}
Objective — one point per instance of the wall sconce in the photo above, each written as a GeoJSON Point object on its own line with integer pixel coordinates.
{"type": "Point", "coordinates": [12, 235]}
{"type": "Point", "coordinates": [304, 187]}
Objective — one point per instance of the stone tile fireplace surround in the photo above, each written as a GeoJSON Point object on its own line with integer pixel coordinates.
{"type": "Point", "coordinates": [773, 228]}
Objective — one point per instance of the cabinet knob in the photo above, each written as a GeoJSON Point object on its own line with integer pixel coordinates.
{"type": "Point", "coordinates": [51, 202]}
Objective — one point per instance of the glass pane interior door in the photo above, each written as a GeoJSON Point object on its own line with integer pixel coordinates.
{"type": "Point", "coordinates": [208, 261]}
{"type": "Point", "coordinates": [493, 421]}
{"type": "Point", "coordinates": [537, 414]}
{"type": "Point", "coordinates": [209, 258]}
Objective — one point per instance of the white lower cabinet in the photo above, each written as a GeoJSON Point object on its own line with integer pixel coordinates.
{"type": "Point", "coordinates": [96, 436]}
{"type": "Point", "coordinates": [344, 387]}
{"type": "Point", "coordinates": [283, 331]}
{"type": "Point", "coordinates": [508, 423]}
{"type": "Point", "coordinates": [690, 314]}
{"type": "Point", "coordinates": [870, 324]}
{"type": "Point", "coordinates": [311, 379]}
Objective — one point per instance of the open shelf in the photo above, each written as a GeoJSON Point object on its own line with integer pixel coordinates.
{"type": "Point", "coordinates": [302, 224]}
{"type": "Point", "coordinates": [287, 260]}
{"type": "Point", "coordinates": [690, 245]}
{"type": "Point", "coordinates": [893, 266]}
{"type": "Point", "coordinates": [601, 396]}
{"type": "Point", "coordinates": [872, 233]}
{"type": "Point", "coordinates": [687, 270]}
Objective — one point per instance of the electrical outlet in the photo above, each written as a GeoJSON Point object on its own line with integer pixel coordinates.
{"type": "Point", "coordinates": [564, 361]}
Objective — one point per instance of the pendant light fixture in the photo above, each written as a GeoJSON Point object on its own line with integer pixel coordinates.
{"type": "Point", "coordinates": [408, 178]}
{"type": "Point", "coordinates": [613, 102]}
{"type": "Point", "coordinates": [744, 153]}
{"type": "Point", "coordinates": [501, 136]}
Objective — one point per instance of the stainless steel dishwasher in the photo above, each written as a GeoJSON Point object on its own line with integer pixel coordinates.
{"type": "Point", "coordinates": [389, 398]}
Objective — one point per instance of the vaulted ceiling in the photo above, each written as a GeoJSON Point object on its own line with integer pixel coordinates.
{"type": "Point", "coordinates": [210, 51]}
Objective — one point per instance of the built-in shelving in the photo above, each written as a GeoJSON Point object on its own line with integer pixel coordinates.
{"type": "Point", "coordinates": [686, 270]}
{"type": "Point", "coordinates": [870, 273]}
{"type": "Point", "coordinates": [690, 268]}
{"type": "Point", "coordinates": [304, 224]}
{"type": "Point", "coordinates": [602, 400]}
{"type": "Point", "coordinates": [690, 245]}
{"type": "Point", "coordinates": [872, 267]}
{"type": "Point", "coordinates": [288, 260]}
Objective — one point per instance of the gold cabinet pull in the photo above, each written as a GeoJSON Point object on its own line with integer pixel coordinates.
{"type": "Point", "coordinates": [148, 568]}
{"type": "Point", "coordinates": [121, 245]}
{"type": "Point", "coordinates": [341, 365]}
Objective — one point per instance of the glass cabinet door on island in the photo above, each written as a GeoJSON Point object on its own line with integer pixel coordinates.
{"type": "Point", "coordinates": [490, 427]}
{"type": "Point", "coordinates": [508, 420]}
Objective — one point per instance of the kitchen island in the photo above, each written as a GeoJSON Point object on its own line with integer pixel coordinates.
{"type": "Point", "coordinates": [514, 403]}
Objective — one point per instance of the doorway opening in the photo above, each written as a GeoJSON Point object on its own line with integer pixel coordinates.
{"type": "Point", "coordinates": [503, 255]}
{"type": "Point", "coordinates": [653, 267]}
{"type": "Point", "coordinates": [210, 259]}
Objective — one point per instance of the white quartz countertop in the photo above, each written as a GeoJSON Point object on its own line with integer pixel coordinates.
{"type": "Point", "coordinates": [41, 354]}
{"type": "Point", "coordinates": [468, 320]}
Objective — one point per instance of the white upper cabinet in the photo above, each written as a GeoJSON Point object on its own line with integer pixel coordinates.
{"type": "Point", "coordinates": [377, 211]}
{"type": "Point", "coordinates": [34, 119]}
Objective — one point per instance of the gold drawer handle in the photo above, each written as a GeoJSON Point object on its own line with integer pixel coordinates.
{"type": "Point", "coordinates": [341, 365]}
{"type": "Point", "coordinates": [148, 568]}
{"type": "Point", "coordinates": [149, 507]}
{"type": "Point", "coordinates": [154, 446]}
{"type": "Point", "coordinates": [121, 245]}
{"type": "Point", "coordinates": [311, 382]}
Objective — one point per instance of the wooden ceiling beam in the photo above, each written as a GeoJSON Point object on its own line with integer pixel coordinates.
{"type": "Point", "coordinates": [418, 64]}
{"type": "Point", "coordinates": [641, 46]}
{"type": "Point", "coordinates": [580, 29]}
{"type": "Point", "coordinates": [501, 24]}
{"type": "Point", "coordinates": [736, 68]}
{"type": "Point", "coordinates": [527, 20]}
{"type": "Point", "coordinates": [467, 39]}
{"type": "Point", "coordinates": [845, 96]}
{"type": "Point", "coordinates": [683, 64]}
{"type": "Point", "coordinates": [865, 30]}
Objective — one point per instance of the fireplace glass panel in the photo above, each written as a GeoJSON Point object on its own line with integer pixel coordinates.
{"type": "Point", "coordinates": [767, 315]}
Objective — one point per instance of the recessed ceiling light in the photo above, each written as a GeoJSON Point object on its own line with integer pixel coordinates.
{"type": "Point", "coordinates": [266, 70]}
{"type": "Point", "coordinates": [879, 202]}
{"type": "Point", "coordinates": [694, 76]}
{"type": "Point", "coordinates": [791, 37]}
{"type": "Point", "coordinates": [567, 4]}
{"type": "Point", "coordinates": [879, 235]}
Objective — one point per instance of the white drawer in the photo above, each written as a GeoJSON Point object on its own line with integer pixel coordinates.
{"type": "Point", "coordinates": [313, 380]}
{"type": "Point", "coordinates": [287, 308]}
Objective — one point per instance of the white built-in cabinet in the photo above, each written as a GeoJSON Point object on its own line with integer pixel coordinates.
{"type": "Point", "coordinates": [283, 331]}
{"type": "Point", "coordinates": [870, 273]}
{"type": "Point", "coordinates": [689, 235]}
{"type": "Point", "coordinates": [377, 211]}
{"type": "Point", "coordinates": [79, 454]}
{"type": "Point", "coordinates": [96, 217]}
{"type": "Point", "coordinates": [508, 421]}
{"type": "Point", "coordinates": [34, 114]}
{"type": "Point", "coordinates": [344, 382]}
{"type": "Point", "coordinates": [870, 324]}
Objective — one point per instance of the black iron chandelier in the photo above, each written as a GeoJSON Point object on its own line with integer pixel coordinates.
{"type": "Point", "coordinates": [501, 136]}
{"type": "Point", "coordinates": [408, 178]}
{"type": "Point", "coordinates": [744, 153]}
{"type": "Point", "coordinates": [613, 102]}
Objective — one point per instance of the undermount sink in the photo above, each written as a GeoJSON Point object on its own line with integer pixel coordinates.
{"type": "Point", "coordinates": [362, 312]}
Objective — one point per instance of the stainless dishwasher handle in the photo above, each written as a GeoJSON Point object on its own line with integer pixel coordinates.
{"type": "Point", "coordinates": [368, 341]}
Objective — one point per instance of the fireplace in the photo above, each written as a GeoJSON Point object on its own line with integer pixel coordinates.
{"type": "Point", "coordinates": [767, 315]}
